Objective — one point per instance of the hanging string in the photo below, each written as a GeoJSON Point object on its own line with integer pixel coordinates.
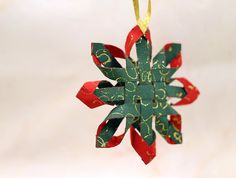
{"type": "Point", "coordinates": [143, 24]}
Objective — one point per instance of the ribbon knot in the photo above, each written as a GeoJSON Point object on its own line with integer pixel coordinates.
{"type": "Point", "coordinates": [143, 24]}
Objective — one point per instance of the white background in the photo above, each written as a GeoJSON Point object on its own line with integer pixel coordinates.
{"type": "Point", "coordinates": [45, 132]}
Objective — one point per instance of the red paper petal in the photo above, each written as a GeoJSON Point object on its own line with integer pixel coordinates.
{"type": "Point", "coordinates": [114, 141]}
{"type": "Point", "coordinates": [86, 94]}
{"type": "Point", "coordinates": [146, 152]}
{"type": "Point", "coordinates": [115, 51]}
{"type": "Point", "coordinates": [169, 140]}
{"type": "Point", "coordinates": [134, 36]}
{"type": "Point", "coordinates": [176, 121]}
{"type": "Point", "coordinates": [177, 61]}
{"type": "Point", "coordinates": [192, 92]}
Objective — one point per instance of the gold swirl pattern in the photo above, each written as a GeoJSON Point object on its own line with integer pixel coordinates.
{"type": "Point", "coordinates": [164, 72]}
{"type": "Point", "coordinates": [101, 141]}
{"type": "Point", "coordinates": [160, 94]}
{"type": "Point", "coordinates": [146, 76]}
{"type": "Point", "coordinates": [103, 53]}
{"type": "Point", "coordinates": [133, 70]}
{"type": "Point", "coordinates": [130, 87]}
{"type": "Point", "coordinates": [178, 136]}
{"type": "Point", "coordinates": [161, 127]}
{"type": "Point", "coordinates": [155, 104]}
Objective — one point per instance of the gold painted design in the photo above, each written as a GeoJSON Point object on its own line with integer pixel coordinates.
{"type": "Point", "coordinates": [130, 115]}
{"type": "Point", "coordinates": [163, 94]}
{"type": "Point", "coordinates": [133, 88]}
{"type": "Point", "coordinates": [149, 154]}
{"type": "Point", "coordinates": [130, 76]}
{"type": "Point", "coordinates": [150, 117]}
{"type": "Point", "coordinates": [166, 105]}
{"type": "Point", "coordinates": [105, 92]}
{"type": "Point", "coordinates": [120, 97]}
{"type": "Point", "coordinates": [155, 105]}
{"type": "Point", "coordinates": [104, 98]}
{"type": "Point", "coordinates": [141, 101]}
{"type": "Point", "coordinates": [163, 128]}
{"type": "Point", "coordinates": [179, 94]}
{"type": "Point", "coordinates": [148, 128]}
{"type": "Point", "coordinates": [191, 87]}
{"type": "Point", "coordinates": [188, 99]}
{"type": "Point", "coordinates": [101, 141]}
{"type": "Point", "coordinates": [115, 113]}
{"type": "Point", "coordinates": [163, 72]}
{"type": "Point", "coordinates": [136, 108]}
{"type": "Point", "coordinates": [178, 136]}
{"type": "Point", "coordinates": [101, 53]}
{"type": "Point", "coordinates": [146, 75]}
{"type": "Point", "coordinates": [96, 101]}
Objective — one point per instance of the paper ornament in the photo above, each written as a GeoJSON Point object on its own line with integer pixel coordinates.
{"type": "Point", "coordinates": [142, 93]}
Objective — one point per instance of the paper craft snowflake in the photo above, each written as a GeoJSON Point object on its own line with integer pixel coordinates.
{"type": "Point", "coordinates": [141, 94]}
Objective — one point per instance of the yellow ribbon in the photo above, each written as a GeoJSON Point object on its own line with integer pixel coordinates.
{"type": "Point", "coordinates": [143, 24]}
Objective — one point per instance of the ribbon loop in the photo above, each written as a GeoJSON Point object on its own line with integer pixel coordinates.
{"type": "Point", "coordinates": [143, 24]}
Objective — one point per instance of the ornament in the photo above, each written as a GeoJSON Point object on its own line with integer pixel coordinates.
{"type": "Point", "coordinates": [141, 94]}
